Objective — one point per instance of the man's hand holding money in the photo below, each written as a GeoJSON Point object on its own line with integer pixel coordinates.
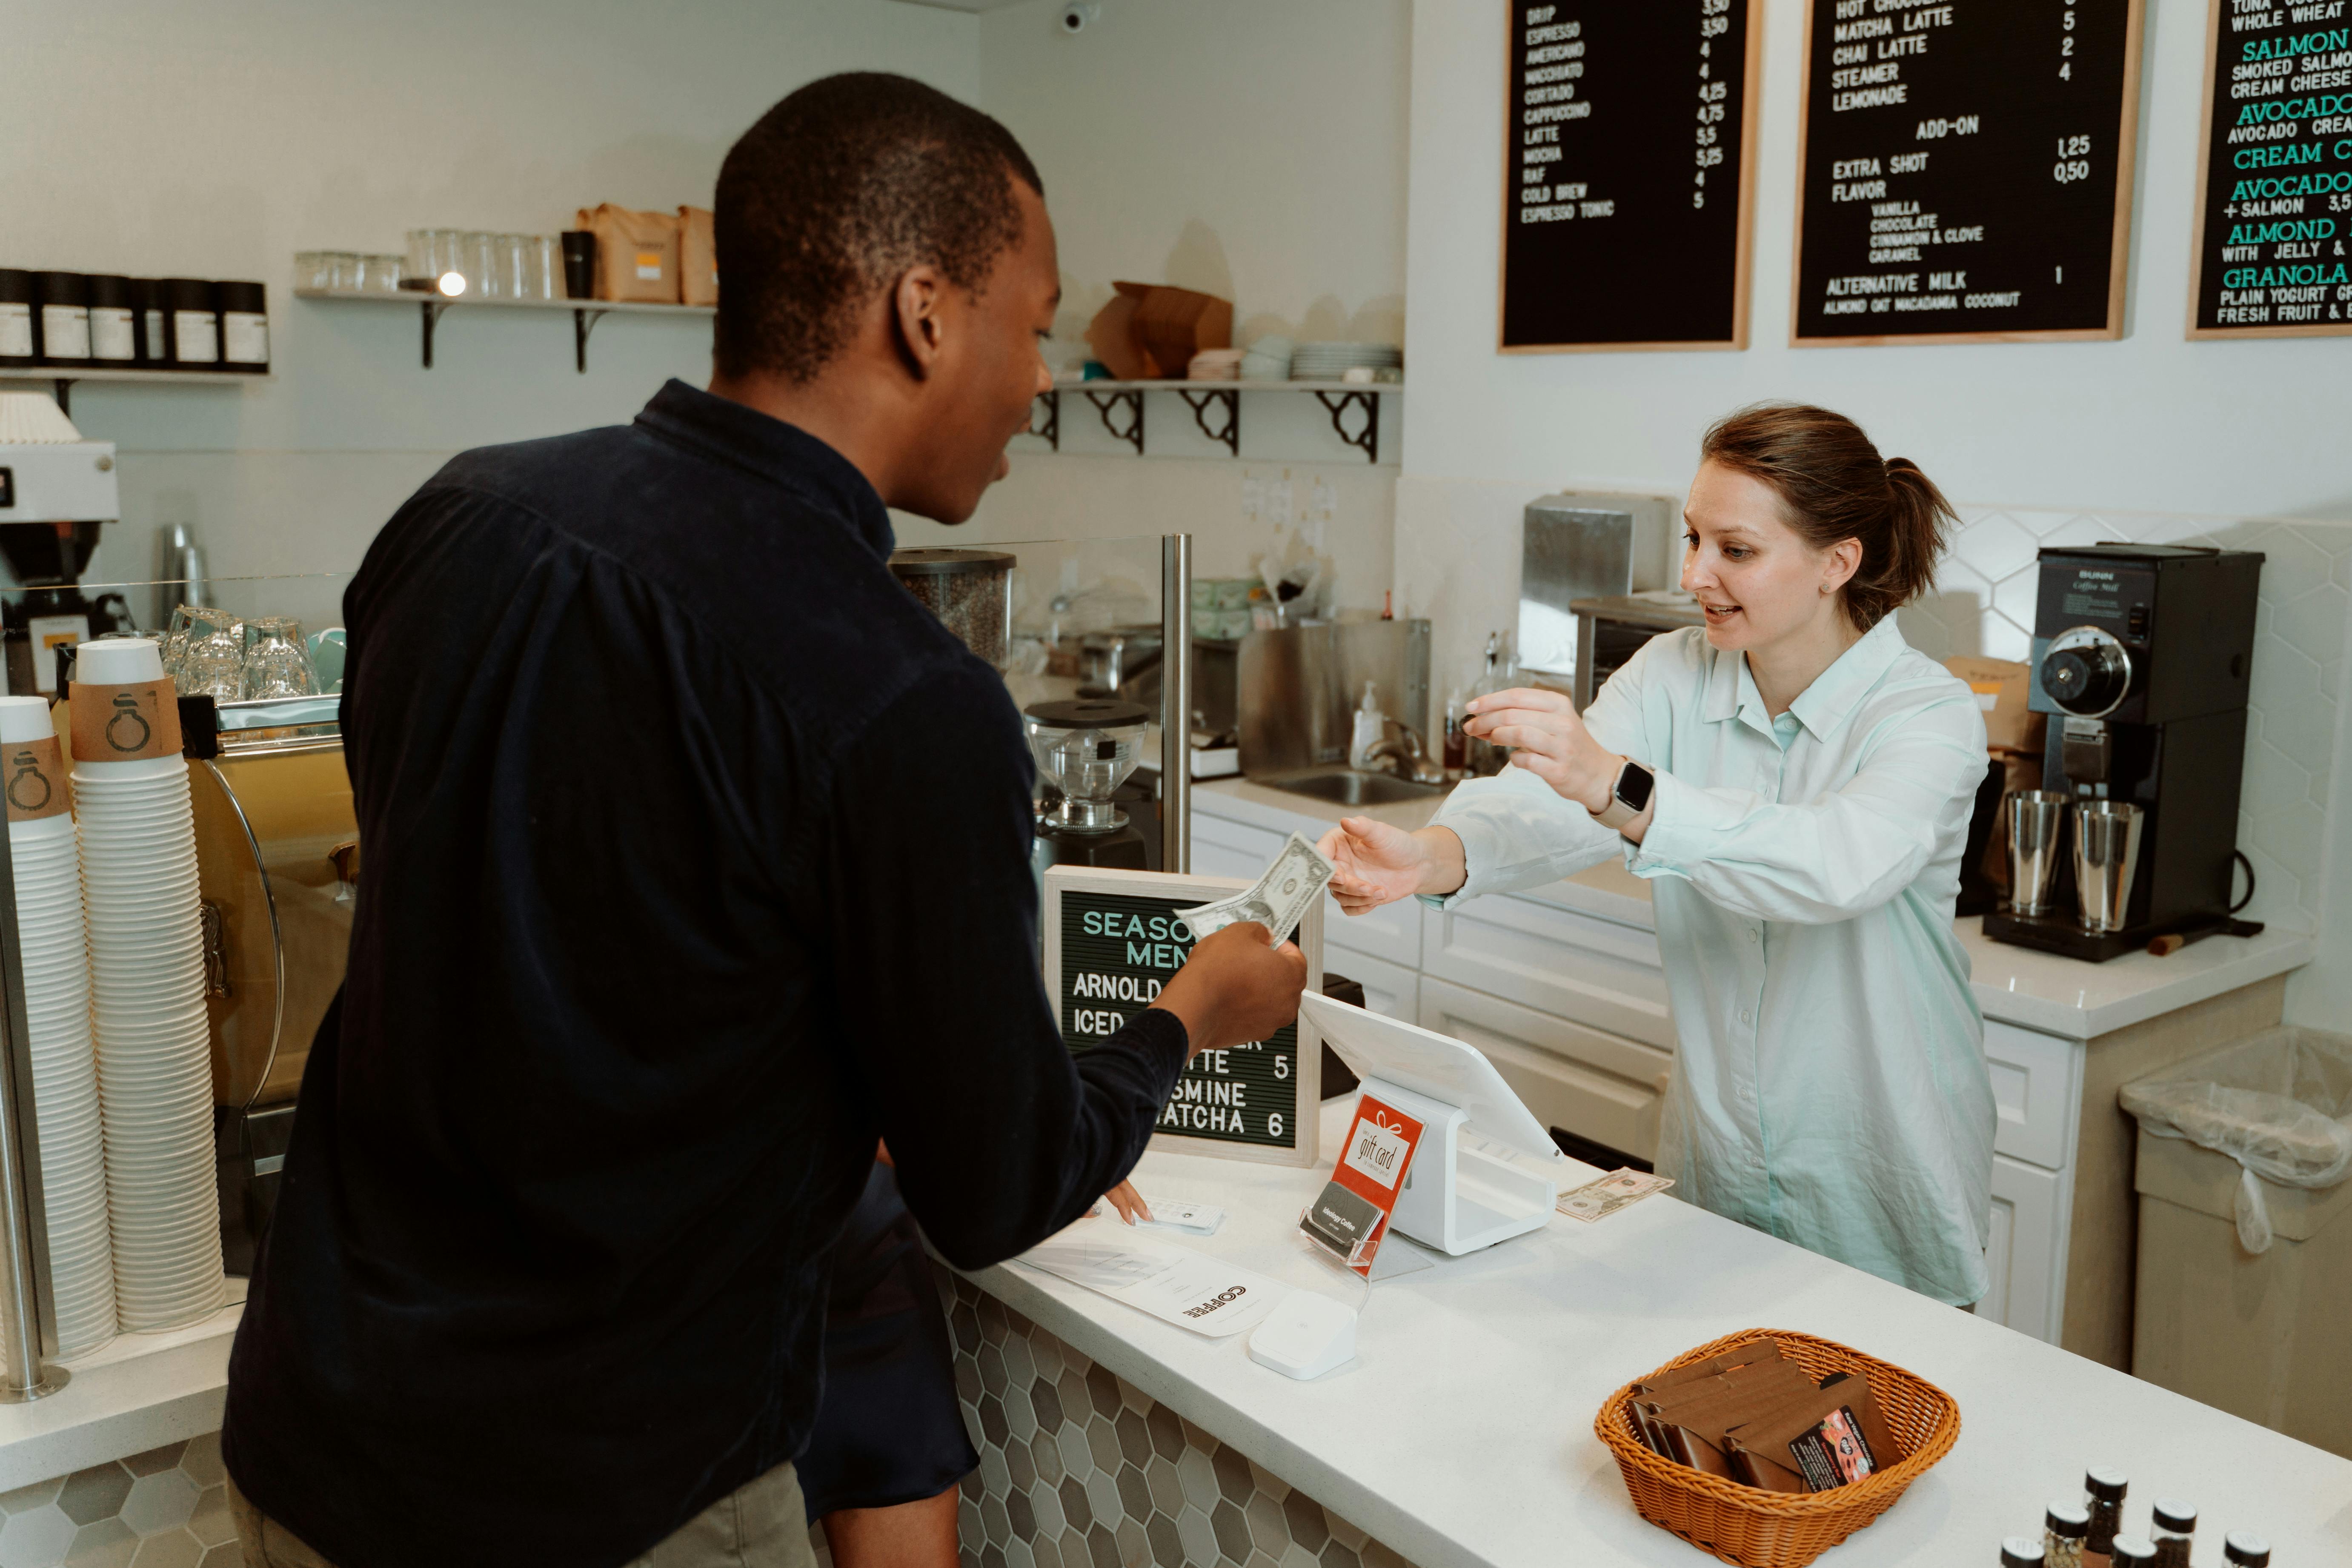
{"type": "Point", "coordinates": [1235, 988]}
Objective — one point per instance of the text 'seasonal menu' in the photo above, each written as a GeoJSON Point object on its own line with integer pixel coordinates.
{"type": "Point", "coordinates": [2278, 195]}
{"type": "Point", "coordinates": [1966, 168]}
{"type": "Point", "coordinates": [1625, 195]}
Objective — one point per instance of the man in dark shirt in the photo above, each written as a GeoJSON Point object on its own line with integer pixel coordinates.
{"type": "Point", "coordinates": [696, 861]}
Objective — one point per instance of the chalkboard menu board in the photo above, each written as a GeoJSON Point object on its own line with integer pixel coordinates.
{"type": "Point", "coordinates": [1628, 165]}
{"type": "Point", "coordinates": [1112, 942]}
{"type": "Point", "coordinates": [2275, 180]}
{"type": "Point", "coordinates": [1966, 170]}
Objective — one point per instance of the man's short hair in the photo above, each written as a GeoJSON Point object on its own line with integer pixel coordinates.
{"type": "Point", "coordinates": [837, 191]}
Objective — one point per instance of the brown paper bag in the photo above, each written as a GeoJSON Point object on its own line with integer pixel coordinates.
{"type": "Point", "coordinates": [1150, 331]}
{"type": "Point", "coordinates": [698, 257]}
{"type": "Point", "coordinates": [636, 254]}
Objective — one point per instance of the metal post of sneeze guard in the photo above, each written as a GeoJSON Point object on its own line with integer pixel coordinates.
{"type": "Point", "coordinates": [1176, 703]}
{"type": "Point", "coordinates": [27, 1315]}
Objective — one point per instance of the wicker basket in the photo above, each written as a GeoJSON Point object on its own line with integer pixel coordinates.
{"type": "Point", "coordinates": [1780, 1530]}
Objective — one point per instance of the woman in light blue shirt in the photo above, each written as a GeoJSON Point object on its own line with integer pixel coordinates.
{"type": "Point", "coordinates": [1795, 782]}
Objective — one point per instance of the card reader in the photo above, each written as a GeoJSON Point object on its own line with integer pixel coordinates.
{"type": "Point", "coordinates": [1305, 1336]}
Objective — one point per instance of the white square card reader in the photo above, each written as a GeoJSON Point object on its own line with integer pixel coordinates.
{"type": "Point", "coordinates": [1305, 1336]}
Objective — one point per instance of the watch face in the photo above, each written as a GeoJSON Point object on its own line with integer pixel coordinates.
{"type": "Point", "coordinates": [1633, 788]}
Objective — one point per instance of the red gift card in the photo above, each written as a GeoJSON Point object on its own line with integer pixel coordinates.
{"type": "Point", "coordinates": [1352, 1212]}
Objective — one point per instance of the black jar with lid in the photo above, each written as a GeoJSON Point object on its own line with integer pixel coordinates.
{"type": "Point", "coordinates": [18, 307]}
{"type": "Point", "coordinates": [154, 342]}
{"type": "Point", "coordinates": [191, 323]}
{"type": "Point", "coordinates": [113, 323]}
{"type": "Point", "coordinates": [244, 326]}
{"type": "Point", "coordinates": [63, 338]}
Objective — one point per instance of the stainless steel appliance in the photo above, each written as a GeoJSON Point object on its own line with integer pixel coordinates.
{"type": "Point", "coordinates": [1085, 749]}
{"type": "Point", "coordinates": [1586, 545]}
{"type": "Point", "coordinates": [2142, 656]}
{"type": "Point", "coordinates": [1609, 630]}
{"type": "Point", "coordinates": [57, 490]}
{"type": "Point", "coordinates": [1300, 689]}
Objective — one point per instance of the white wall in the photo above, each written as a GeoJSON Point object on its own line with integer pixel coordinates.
{"type": "Point", "coordinates": [217, 139]}
{"type": "Point", "coordinates": [2151, 437]}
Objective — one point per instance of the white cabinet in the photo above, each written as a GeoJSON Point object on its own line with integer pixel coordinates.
{"type": "Point", "coordinates": [1389, 989]}
{"type": "Point", "coordinates": [1225, 848]}
{"type": "Point", "coordinates": [1588, 1081]}
{"type": "Point", "coordinates": [2024, 1260]}
{"type": "Point", "coordinates": [2036, 1086]}
{"type": "Point", "coordinates": [1596, 971]}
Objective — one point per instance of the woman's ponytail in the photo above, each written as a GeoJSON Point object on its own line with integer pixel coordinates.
{"type": "Point", "coordinates": [1834, 487]}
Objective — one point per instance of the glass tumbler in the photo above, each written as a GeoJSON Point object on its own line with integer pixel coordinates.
{"type": "Point", "coordinates": [385, 273]}
{"type": "Point", "coordinates": [211, 653]}
{"type": "Point", "coordinates": [342, 269]}
{"type": "Point", "coordinates": [513, 254]}
{"type": "Point", "coordinates": [421, 258]}
{"type": "Point", "coordinates": [312, 270]}
{"type": "Point", "coordinates": [543, 268]}
{"type": "Point", "coordinates": [479, 262]}
{"type": "Point", "coordinates": [276, 663]}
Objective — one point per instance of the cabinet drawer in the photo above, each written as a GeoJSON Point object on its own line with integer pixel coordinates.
{"type": "Point", "coordinates": [1223, 849]}
{"type": "Point", "coordinates": [1389, 989]}
{"type": "Point", "coordinates": [2034, 1086]}
{"type": "Point", "coordinates": [1594, 972]}
{"type": "Point", "coordinates": [2022, 1259]}
{"type": "Point", "coordinates": [1597, 1085]}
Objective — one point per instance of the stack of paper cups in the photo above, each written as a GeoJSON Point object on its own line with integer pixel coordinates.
{"type": "Point", "coordinates": [56, 1016]}
{"type": "Point", "coordinates": [147, 985]}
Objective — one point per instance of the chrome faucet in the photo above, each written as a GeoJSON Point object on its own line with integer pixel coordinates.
{"type": "Point", "coordinates": [1400, 750]}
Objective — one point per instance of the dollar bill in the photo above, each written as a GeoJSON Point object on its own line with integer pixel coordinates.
{"type": "Point", "coordinates": [1597, 1200]}
{"type": "Point", "coordinates": [1278, 901]}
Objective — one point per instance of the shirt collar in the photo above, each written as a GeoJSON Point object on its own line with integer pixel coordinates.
{"type": "Point", "coordinates": [782, 454]}
{"type": "Point", "coordinates": [1822, 707]}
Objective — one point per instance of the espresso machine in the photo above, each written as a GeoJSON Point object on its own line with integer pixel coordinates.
{"type": "Point", "coordinates": [55, 491]}
{"type": "Point", "coordinates": [2142, 655]}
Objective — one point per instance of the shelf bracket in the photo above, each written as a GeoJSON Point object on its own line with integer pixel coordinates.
{"type": "Point", "coordinates": [1200, 403]}
{"type": "Point", "coordinates": [1369, 437]}
{"type": "Point", "coordinates": [1104, 402]}
{"type": "Point", "coordinates": [584, 322]}
{"type": "Point", "coordinates": [432, 310]}
{"type": "Point", "coordinates": [1051, 429]}
{"type": "Point", "coordinates": [65, 396]}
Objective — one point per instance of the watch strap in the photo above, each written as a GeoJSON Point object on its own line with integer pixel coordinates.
{"type": "Point", "coordinates": [1616, 814]}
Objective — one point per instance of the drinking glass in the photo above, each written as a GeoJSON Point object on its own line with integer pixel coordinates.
{"type": "Point", "coordinates": [312, 270]}
{"type": "Point", "coordinates": [480, 263]}
{"type": "Point", "coordinates": [385, 273]}
{"type": "Point", "coordinates": [422, 260]}
{"type": "Point", "coordinates": [512, 251]}
{"type": "Point", "coordinates": [276, 664]}
{"type": "Point", "coordinates": [212, 653]}
{"type": "Point", "coordinates": [342, 269]}
{"type": "Point", "coordinates": [543, 276]}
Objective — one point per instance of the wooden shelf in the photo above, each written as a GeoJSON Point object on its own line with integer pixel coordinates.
{"type": "Point", "coordinates": [59, 378]}
{"type": "Point", "coordinates": [585, 313]}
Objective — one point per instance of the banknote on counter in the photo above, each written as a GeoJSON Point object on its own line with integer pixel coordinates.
{"type": "Point", "coordinates": [1599, 1199]}
{"type": "Point", "coordinates": [1279, 900]}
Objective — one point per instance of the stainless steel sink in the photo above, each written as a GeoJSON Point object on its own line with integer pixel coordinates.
{"type": "Point", "coordinates": [1345, 786]}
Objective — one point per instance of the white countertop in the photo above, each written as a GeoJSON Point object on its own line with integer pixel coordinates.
{"type": "Point", "coordinates": [137, 1392]}
{"type": "Point", "coordinates": [1463, 1434]}
{"type": "Point", "coordinates": [2015, 984]}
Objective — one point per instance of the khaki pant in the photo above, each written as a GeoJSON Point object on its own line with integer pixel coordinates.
{"type": "Point", "coordinates": [762, 1525]}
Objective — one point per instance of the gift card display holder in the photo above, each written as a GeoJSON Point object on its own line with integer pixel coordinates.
{"type": "Point", "coordinates": [1455, 1198]}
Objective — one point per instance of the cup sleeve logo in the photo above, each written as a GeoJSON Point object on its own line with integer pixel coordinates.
{"type": "Point", "coordinates": [126, 712]}
{"type": "Point", "coordinates": [25, 780]}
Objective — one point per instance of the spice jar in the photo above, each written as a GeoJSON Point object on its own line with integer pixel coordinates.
{"type": "Point", "coordinates": [2020, 1551]}
{"type": "Point", "coordinates": [65, 318]}
{"type": "Point", "coordinates": [2173, 1526]}
{"type": "Point", "coordinates": [2246, 1549]}
{"type": "Point", "coordinates": [2102, 1495]}
{"type": "Point", "coordinates": [191, 323]}
{"type": "Point", "coordinates": [113, 322]}
{"type": "Point", "coordinates": [2135, 1552]}
{"type": "Point", "coordinates": [155, 343]}
{"type": "Point", "coordinates": [16, 307]}
{"type": "Point", "coordinates": [244, 326]}
{"type": "Point", "coordinates": [2064, 1526]}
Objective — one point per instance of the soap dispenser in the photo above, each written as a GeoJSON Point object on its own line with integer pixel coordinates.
{"type": "Point", "coordinates": [1372, 727]}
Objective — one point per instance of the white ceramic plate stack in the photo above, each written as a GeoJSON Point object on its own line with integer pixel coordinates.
{"type": "Point", "coordinates": [1332, 362]}
{"type": "Point", "coordinates": [65, 1074]}
{"type": "Point", "coordinates": [147, 986]}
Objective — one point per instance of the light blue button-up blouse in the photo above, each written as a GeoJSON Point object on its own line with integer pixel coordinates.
{"type": "Point", "coordinates": [1830, 1086]}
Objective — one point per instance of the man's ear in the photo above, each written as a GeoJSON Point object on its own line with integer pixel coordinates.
{"type": "Point", "coordinates": [916, 325]}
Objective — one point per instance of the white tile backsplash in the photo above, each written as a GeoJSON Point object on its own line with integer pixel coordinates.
{"type": "Point", "coordinates": [1984, 604]}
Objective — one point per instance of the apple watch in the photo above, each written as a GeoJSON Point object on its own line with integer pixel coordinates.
{"type": "Point", "coordinates": [1629, 797]}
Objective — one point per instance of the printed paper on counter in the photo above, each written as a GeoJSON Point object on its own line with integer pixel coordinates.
{"type": "Point", "coordinates": [1172, 1283]}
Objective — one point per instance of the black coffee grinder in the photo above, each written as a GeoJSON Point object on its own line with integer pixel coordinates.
{"type": "Point", "coordinates": [49, 559]}
{"type": "Point", "coordinates": [2142, 656]}
{"type": "Point", "coordinates": [1085, 749]}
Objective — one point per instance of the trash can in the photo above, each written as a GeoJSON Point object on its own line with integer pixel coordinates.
{"type": "Point", "coordinates": [2244, 1288]}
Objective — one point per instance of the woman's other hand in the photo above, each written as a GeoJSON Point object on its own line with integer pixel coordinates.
{"type": "Point", "coordinates": [1549, 741]}
{"type": "Point", "coordinates": [1128, 1203]}
{"type": "Point", "coordinates": [1375, 864]}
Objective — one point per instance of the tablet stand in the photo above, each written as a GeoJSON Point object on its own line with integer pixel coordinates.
{"type": "Point", "coordinates": [1456, 1199]}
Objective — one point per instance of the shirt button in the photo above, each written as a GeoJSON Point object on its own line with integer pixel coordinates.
{"type": "Point", "coordinates": [1744, 1015]}
{"type": "Point", "coordinates": [1751, 934]}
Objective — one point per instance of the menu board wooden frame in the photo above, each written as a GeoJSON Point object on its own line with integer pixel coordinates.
{"type": "Point", "coordinates": [2118, 248]}
{"type": "Point", "coordinates": [2204, 196]}
{"type": "Point", "coordinates": [1751, 79]}
{"type": "Point", "coordinates": [1186, 890]}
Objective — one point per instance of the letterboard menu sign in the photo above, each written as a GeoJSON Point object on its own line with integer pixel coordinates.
{"type": "Point", "coordinates": [2276, 180]}
{"type": "Point", "coordinates": [1965, 170]}
{"type": "Point", "coordinates": [1628, 166]}
{"type": "Point", "coordinates": [1112, 942]}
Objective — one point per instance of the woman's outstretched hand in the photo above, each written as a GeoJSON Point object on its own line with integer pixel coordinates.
{"type": "Point", "coordinates": [1375, 864]}
{"type": "Point", "coordinates": [1550, 740]}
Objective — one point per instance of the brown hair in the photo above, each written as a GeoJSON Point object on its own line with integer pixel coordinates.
{"type": "Point", "coordinates": [1833, 485]}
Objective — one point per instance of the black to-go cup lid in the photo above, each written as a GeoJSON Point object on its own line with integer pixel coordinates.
{"type": "Point", "coordinates": [2106, 1483]}
{"type": "Point", "coordinates": [2020, 1551]}
{"type": "Point", "coordinates": [2071, 1520]}
{"type": "Point", "coordinates": [2171, 1513]}
{"type": "Point", "coordinates": [2246, 1549]}
{"type": "Point", "coordinates": [252, 298]}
